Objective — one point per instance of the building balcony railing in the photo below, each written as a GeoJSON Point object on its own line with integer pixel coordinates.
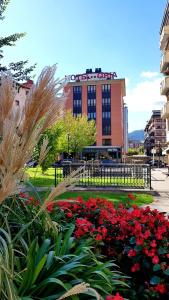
{"type": "Point", "coordinates": [164, 66]}
{"type": "Point", "coordinates": [164, 38]}
{"type": "Point", "coordinates": [164, 88]}
{"type": "Point", "coordinates": [165, 111]}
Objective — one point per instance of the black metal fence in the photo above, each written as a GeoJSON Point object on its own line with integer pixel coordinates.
{"type": "Point", "coordinates": [127, 176]}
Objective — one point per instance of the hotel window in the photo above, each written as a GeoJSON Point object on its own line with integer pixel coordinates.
{"type": "Point", "coordinates": [106, 101]}
{"type": "Point", "coordinates": [105, 87]}
{"type": "Point", "coordinates": [91, 102]}
{"type": "Point", "coordinates": [91, 88]}
{"type": "Point", "coordinates": [106, 142]}
{"type": "Point", "coordinates": [17, 102]}
{"type": "Point", "coordinates": [106, 129]}
{"type": "Point", "coordinates": [77, 89]}
{"type": "Point", "coordinates": [92, 116]}
{"type": "Point", "coordinates": [27, 92]}
{"type": "Point", "coordinates": [77, 103]}
{"type": "Point", "coordinates": [106, 114]}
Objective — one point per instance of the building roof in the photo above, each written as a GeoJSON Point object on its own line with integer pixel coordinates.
{"type": "Point", "coordinates": [27, 85]}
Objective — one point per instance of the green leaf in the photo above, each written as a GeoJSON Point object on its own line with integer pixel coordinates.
{"type": "Point", "coordinates": [38, 269]}
{"type": "Point", "coordinates": [132, 240]}
{"type": "Point", "coordinates": [162, 250]}
{"type": "Point", "coordinates": [166, 272]}
{"type": "Point", "coordinates": [42, 251]}
{"type": "Point", "coordinates": [155, 280]}
{"type": "Point", "coordinates": [50, 259]}
{"type": "Point", "coordinates": [156, 267]}
{"type": "Point", "coordinates": [49, 281]}
{"type": "Point", "coordinates": [138, 248]}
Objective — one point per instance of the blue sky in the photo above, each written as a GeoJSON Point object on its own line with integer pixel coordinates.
{"type": "Point", "coordinates": [121, 36]}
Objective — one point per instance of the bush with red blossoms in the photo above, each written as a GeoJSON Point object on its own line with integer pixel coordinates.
{"type": "Point", "coordinates": [138, 238]}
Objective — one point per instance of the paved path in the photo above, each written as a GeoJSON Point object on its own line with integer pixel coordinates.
{"type": "Point", "coordinates": [160, 184]}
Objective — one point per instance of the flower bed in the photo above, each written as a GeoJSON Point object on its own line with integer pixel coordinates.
{"type": "Point", "coordinates": [138, 238]}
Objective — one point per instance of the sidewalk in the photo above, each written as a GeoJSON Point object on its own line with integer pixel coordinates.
{"type": "Point", "coordinates": [160, 184]}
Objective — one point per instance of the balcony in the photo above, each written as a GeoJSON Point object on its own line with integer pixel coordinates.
{"type": "Point", "coordinates": [164, 88]}
{"type": "Point", "coordinates": [164, 66]}
{"type": "Point", "coordinates": [164, 38]}
{"type": "Point", "coordinates": [165, 111]}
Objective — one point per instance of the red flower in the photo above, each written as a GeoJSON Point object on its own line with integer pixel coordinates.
{"type": "Point", "coordinates": [99, 237]}
{"type": "Point", "coordinates": [50, 206]}
{"type": "Point", "coordinates": [69, 215]}
{"type": "Point", "coordinates": [135, 267]}
{"type": "Point", "coordinates": [161, 288]}
{"type": "Point", "coordinates": [153, 244]}
{"type": "Point", "coordinates": [116, 297]}
{"type": "Point", "coordinates": [132, 197]}
{"type": "Point", "coordinates": [155, 260]}
{"type": "Point", "coordinates": [132, 253]}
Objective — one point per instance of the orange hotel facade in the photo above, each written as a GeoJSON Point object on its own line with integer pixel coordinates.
{"type": "Point", "coordinates": [99, 96]}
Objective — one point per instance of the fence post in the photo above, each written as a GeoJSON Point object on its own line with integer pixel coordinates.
{"type": "Point", "coordinates": [150, 177]}
{"type": "Point", "coordinates": [55, 176]}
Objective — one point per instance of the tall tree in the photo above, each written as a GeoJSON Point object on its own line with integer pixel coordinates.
{"type": "Point", "coordinates": [19, 70]}
{"type": "Point", "coordinates": [77, 133]}
{"type": "Point", "coordinates": [51, 134]}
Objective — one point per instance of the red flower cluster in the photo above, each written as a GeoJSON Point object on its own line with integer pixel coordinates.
{"type": "Point", "coordinates": [116, 297]}
{"type": "Point", "coordinates": [138, 236]}
{"type": "Point", "coordinates": [132, 197]}
{"type": "Point", "coordinates": [29, 200]}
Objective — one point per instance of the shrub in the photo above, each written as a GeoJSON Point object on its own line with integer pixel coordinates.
{"type": "Point", "coordinates": [54, 262]}
{"type": "Point", "coordinates": [138, 238]}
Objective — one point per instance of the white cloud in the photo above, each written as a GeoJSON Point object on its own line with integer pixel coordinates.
{"type": "Point", "coordinates": [149, 74]}
{"type": "Point", "coordinates": [145, 96]}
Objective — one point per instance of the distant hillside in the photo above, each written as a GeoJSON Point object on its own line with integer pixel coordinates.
{"type": "Point", "coordinates": [136, 135]}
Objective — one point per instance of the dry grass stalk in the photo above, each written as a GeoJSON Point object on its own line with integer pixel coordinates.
{"type": "Point", "coordinates": [43, 151]}
{"type": "Point", "coordinates": [21, 129]}
{"type": "Point", "coordinates": [81, 288]}
{"type": "Point", "coordinates": [67, 184]}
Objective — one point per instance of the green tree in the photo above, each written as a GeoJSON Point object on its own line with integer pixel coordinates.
{"type": "Point", "coordinates": [77, 132]}
{"type": "Point", "coordinates": [19, 70]}
{"type": "Point", "coordinates": [51, 135]}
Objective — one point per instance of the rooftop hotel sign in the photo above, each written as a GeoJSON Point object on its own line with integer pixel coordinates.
{"type": "Point", "coordinates": [92, 76]}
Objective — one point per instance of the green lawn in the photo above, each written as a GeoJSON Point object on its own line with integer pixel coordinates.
{"type": "Point", "coordinates": [38, 179]}
{"type": "Point", "coordinates": [116, 197]}
{"type": "Point", "coordinates": [48, 179]}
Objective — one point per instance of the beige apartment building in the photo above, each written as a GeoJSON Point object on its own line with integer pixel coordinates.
{"type": "Point", "coordinates": [155, 134]}
{"type": "Point", "coordinates": [164, 68]}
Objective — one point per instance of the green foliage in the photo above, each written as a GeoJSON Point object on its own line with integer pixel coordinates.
{"type": "Point", "coordinates": [77, 133]}
{"type": "Point", "coordinates": [3, 6]}
{"type": "Point", "coordinates": [52, 134]}
{"type": "Point", "coordinates": [48, 265]}
{"type": "Point", "coordinates": [136, 151]}
{"type": "Point", "coordinates": [18, 69]}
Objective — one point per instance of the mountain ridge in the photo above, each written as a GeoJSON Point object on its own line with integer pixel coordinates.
{"type": "Point", "coordinates": [136, 135]}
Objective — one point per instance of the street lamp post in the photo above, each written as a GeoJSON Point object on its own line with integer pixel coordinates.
{"type": "Point", "coordinates": [68, 140]}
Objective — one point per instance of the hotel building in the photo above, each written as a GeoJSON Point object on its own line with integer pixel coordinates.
{"type": "Point", "coordinates": [99, 96]}
{"type": "Point", "coordinates": [164, 68]}
{"type": "Point", "coordinates": [155, 133]}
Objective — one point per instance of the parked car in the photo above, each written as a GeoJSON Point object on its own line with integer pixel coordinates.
{"type": "Point", "coordinates": [62, 162]}
{"type": "Point", "coordinates": [156, 163]}
{"type": "Point", "coordinates": [31, 164]}
{"type": "Point", "coordinates": [107, 161]}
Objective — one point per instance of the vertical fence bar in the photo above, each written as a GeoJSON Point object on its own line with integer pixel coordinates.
{"type": "Point", "coordinates": [55, 176]}
{"type": "Point", "coordinates": [150, 177]}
